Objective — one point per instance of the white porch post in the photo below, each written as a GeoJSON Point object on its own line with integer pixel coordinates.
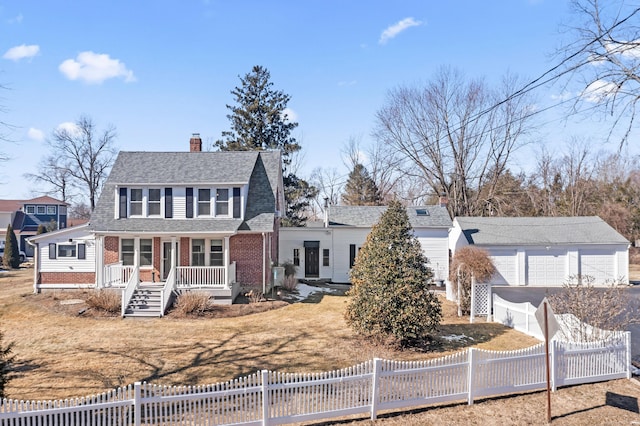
{"type": "Point", "coordinates": [136, 252]}
{"type": "Point", "coordinates": [99, 261]}
{"type": "Point", "coordinates": [227, 261]}
{"type": "Point", "coordinates": [173, 253]}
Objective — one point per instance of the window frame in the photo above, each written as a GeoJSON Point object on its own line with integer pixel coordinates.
{"type": "Point", "coordinates": [296, 257]}
{"type": "Point", "coordinates": [204, 203]}
{"type": "Point", "coordinates": [201, 259]}
{"type": "Point", "coordinates": [66, 250]}
{"type": "Point", "coordinates": [154, 203]}
{"type": "Point", "coordinates": [41, 210]}
{"type": "Point", "coordinates": [131, 253]}
{"type": "Point", "coordinates": [51, 210]}
{"type": "Point", "coordinates": [30, 209]}
{"type": "Point", "coordinates": [136, 204]}
{"type": "Point", "coordinates": [325, 257]}
{"type": "Point", "coordinates": [216, 262]}
{"type": "Point", "coordinates": [222, 203]}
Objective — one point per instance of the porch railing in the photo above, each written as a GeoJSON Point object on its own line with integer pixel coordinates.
{"type": "Point", "coordinates": [201, 276]}
{"type": "Point", "coordinates": [116, 275]}
{"type": "Point", "coordinates": [169, 285]}
{"type": "Point", "coordinates": [127, 292]}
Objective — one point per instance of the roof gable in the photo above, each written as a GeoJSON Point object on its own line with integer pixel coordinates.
{"type": "Point", "coordinates": [538, 230]}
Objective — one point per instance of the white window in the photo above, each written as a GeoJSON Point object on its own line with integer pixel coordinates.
{"type": "Point", "coordinates": [146, 252]}
{"type": "Point", "coordinates": [153, 202]}
{"type": "Point", "coordinates": [127, 251]}
{"type": "Point", "coordinates": [197, 252]}
{"type": "Point", "coordinates": [135, 202]}
{"type": "Point", "coordinates": [31, 209]}
{"type": "Point", "coordinates": [204, 202]}
{"type": "Point", "coordinates": [66, 250]}
{"type": "Point", "coordinates": [222, 202]}
{"type": "Point", "coordinates": [42, 209]}
{"type": "Point", "coordinates": [216, 255]}
{"type": "Point", "coordinates": [51, 210]}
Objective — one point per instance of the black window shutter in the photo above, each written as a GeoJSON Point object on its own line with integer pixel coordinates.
{"type": "Point", "coordinates": [189, 202]}
{"type": "Point", "coordinates": [123, 203]}
{"type": "Point", "coordinates": [52, 250]}
{"type": "Point", "coordinates": [168, 202]}
{"type": "Point", "coordinates": [82, 251]}
{"type": "Point", "coordinates": [236, 202]}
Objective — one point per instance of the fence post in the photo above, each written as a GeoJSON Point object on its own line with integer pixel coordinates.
{"type": "Point", "coordinates": [473, 299]}
{"type": "Point", "coordinates": [137, 403]}
{"type": "Point", "coordinates": [375, 383]}
{"type": "Point", "coordinates": [265, 397]}
{"type": "Point", "coordinates": [471, 372]}
{"type": "Point", "coordinates": [553, 365]}
{"type": "Point", "coordinates": [627, 343]}
{"type": "Point", "coordinates": [489, 303]}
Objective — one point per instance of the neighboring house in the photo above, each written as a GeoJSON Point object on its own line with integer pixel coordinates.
{"type": "Point", "coordinates": [327, 250]}
{"type": "Point", "coordinates": [545, 251]}
{"type": "Point", "coordinates": [174, 221]}
{"type": "Point", "coordinates": [26, 215]}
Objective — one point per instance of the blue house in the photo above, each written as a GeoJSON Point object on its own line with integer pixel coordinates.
{"type": "Point", "coordinates": [26, 215]}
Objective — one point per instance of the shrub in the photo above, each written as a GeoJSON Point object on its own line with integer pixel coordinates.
{"type": "Point", "coordinates": [466, 262]}
{"type": "Point", "coordinates": [11, 258]}
{"type": "Point", "coordinates": [289, 268]}
{"type": "Point", "coordinates": [606, 308]}
{"type": "Point", "coordinates": [390, 301]}
{"type": "Point", "coordinates": [6, 361]}
{"type": "Point", "coordinates": [192, 303]}
{"type": "Point", "coordinates": [254, 296]}
{"type": "Point", "coordinates": [290, 282]}
{"type": "Point", "coordinates": [105, 300]}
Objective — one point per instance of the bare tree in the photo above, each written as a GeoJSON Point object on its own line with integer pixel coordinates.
{"type": "Point", "coordinates": [55, 176]}
{"type": "Point", "coordinates": [456, 136]}
{"type": "Point", "coordinates": [329, 184]}
{"type": "Point", "coordinates": [81, 157]}
{"type": "Point", "coordinates": [603, 57]}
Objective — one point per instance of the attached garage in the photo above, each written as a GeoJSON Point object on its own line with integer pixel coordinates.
{"type": "Point", "coordinates": [546, 251]}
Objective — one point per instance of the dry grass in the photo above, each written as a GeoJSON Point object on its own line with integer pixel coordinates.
{"type": "Point", "coordinates": [61, 354]}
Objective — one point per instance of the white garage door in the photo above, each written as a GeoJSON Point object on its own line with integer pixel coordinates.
{"type": "Point", "coordinates": [505, 263]}
{"type": "Point", "coordinates": [600, 264]}
{"type": "Point", "coordinates": [546, 268]}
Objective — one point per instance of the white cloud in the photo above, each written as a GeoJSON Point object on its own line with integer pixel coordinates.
{"type": "Point", "coordinates": [69, 127]}
{"type": "Point", "coordinates": [94, 68]}
{"type": "Point", "coordinates": [35, 134]}
{"type": "Point", "coordinates": [564, 96]}
{"type": "Point", "coordinates": [20, 52]}
{"type": "Point", "coordinates": [630, 49]}
{"type": "Point", "coordinates": [598, 91]}
{"type": "Point", "coordinates": [397, 28]}
{"type": "Point", "coordinates": [291, 114]}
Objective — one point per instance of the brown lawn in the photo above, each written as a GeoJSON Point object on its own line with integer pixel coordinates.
{"type": "Point", "coordinates": [61, 354]}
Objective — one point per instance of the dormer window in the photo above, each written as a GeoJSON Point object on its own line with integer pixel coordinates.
{"type": "Point", "coordinates": [42, 209]}
{"type": "Point", "coordinates": [51, 210]}
{"type": "Point", "coordinates": [30, 209]}
{"type": "Point", "coordinates": [153, 203]}
{"type": "Point", "coordinates": [204, 202]}
{"type": "Point", "coordinates": [222, 202]}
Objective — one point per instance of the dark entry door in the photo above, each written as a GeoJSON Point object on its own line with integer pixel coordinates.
{"type": "Point", "coordinates": [312, 259]}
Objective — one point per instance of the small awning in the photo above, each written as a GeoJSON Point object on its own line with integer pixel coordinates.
{"type": "Point", "coordinates": [312, 244]}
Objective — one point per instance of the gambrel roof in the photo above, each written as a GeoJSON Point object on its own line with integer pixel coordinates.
{"type": "Point", "coordinates": [367, 216]}
{"type": "Point", "coordinates": [538, 230]}
{"type": "Point", "coordinates": [260, 169]}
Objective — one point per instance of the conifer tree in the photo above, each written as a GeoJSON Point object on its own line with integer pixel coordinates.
{"type": "Point", "coordinates": [259, 121]}
{"type": "Point", "coordinates": [360, 189]}
{"type": "Point", "coordinates": [11, 258]}
{"type": "Point", "coordinates": [41, 229]}
{"type": "Point", "coordinates": [6, 361]}
{"type": "Point", "coordinates": [390, 301]}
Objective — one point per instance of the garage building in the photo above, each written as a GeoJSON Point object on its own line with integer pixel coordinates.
{"type": "Point", "coordinates": [546, 251]}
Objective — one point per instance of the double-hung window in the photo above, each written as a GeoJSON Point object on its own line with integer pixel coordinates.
{"type": "Point", "coordinates": [153, 202]}
{"type": "Point", "coordinates": [127, 251]}
{"type": "Point", "coordinates": [51, 210]}
{"type": "Point", "coordinates": [216, 254]}
{"type": "Point", "coordinates": [204, 202]}
{"type": "Point", "coordinates": [145, 252]}
{"type": "Point", "coordinates": [222, 202]}
{"type": "Point", "coordinates": [42, 209]}
{"type": "Point", "coordinates": [135, 202]}
{"type": "Point", "coordinates": [197, 252]}
{"type": "Point", "coordinates": [31, 209]}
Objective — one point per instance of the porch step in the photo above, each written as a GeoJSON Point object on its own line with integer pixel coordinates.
{"type": "Point", "coordinates": [145, 302]}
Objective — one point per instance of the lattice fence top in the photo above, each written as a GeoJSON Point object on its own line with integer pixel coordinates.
{"type": "Point", "coordinates": [481, 299]}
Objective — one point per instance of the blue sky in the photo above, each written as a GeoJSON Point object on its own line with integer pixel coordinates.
{"type": "Point", "coordinates": [161, 70]}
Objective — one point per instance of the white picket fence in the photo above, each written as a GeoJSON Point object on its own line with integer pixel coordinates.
{"type": "Point", "coordinates": [273, 398]}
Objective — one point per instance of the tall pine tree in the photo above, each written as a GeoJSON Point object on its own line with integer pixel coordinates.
{"type": "Point", "coordinates": [389, 299]}
{"type": "Point", "coordinates": [259, 121]}
{"type": "Point", "coordinates": [360, 189]}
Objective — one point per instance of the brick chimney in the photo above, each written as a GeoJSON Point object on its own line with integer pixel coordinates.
{"type": "Point", "coordinates": [195, 143]}
{"type": "Point", "coordinates": [443, 200]}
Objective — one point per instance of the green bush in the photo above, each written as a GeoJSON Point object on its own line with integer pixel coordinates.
{"type": "Point", "coordinates": [6, 361]}
{"type": "Point", "coordinates": [11, 258]}
{"type": "Point", "coordinates": [390, 301]}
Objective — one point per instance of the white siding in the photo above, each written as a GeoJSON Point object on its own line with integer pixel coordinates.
{"type": "Point", "coordinates": [294, 238]}
{"type": "Point", "coordinates": [342, 239]}
{"type": "Point", "coordinates": [435, 245]}
{"type": "Point", "coordinates": [66, 264]}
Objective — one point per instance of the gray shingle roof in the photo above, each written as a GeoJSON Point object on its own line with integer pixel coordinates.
{"type": "Point", "coordinates": [367, 216]}
{"type": "Point", "coordinates": [262, 170]}
{"type": "Point", "coordinates": [538, 230]}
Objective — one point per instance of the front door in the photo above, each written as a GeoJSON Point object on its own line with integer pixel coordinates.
{"type": "Point", "coordinates": [166, 259]}
{"type": "Point", "coordinates": [312, 262]}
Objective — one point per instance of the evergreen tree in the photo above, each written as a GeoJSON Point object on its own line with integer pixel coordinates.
{"type": "Point", "coordinates": [6, 360]}
{"type": "Point", "coordinates": [360, 189]}
{"type": "Point", "coordinates": [389, 299]}
{"type": "Point", "coordinates": [41, 229]}
{"type": "Point", "coordinates": [11, 258]}
{"type": "Point", "coordinates": [259, 121]}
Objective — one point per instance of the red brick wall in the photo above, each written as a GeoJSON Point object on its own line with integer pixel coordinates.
{"type": "Point", "coordinates": [185, 250]}
{"type": "Point", "coordinates": [67, 278]}
{"type": "Point", "coordinates": [246, 251]}
{"type": "Point", "coordinates": [111, 250]}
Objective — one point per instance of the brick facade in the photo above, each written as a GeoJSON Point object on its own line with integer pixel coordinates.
{"type": "Point", "coordinates": [184, 258]}
{"type": "Point", "coordinates": [111, 250]}
{"type": "Point", "coordinates": [246, 251]}
{"type": "Point", "coordinates": [67, 278]}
